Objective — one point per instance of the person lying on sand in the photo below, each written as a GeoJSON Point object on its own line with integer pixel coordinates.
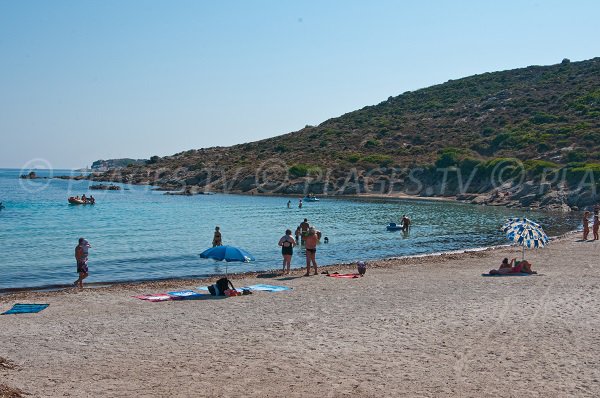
{"type": "Point", "coordinates": [508, 267]}
{"type": "Point", "coordinates": [523, 267]}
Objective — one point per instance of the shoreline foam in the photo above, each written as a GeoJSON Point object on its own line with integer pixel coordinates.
{"type": "Point", "coordinates": [209, 279]}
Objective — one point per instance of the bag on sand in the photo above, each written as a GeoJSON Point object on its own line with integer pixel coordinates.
{"type": "Point", "coordinates": [219, 288]}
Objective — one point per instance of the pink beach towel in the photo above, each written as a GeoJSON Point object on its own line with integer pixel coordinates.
{"type": "Point", "coordinates": [344, 275]}
{"type": "Point", "coordinates": [154, 297]}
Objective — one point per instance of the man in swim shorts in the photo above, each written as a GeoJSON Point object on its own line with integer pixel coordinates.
{"type": "Point", "coordinates": [310, 242]}
{"type": "Point", "coordinates": [81, 256]}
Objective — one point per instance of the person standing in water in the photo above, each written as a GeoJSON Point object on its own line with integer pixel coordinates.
{"type": "Point", "coordinates": [217, 241]}
{"type": "Point", "coordinates": [405, 223]}
{"type": "Point", "coordinates": [596, 226]}
{"type": "Point", "coordinates": [289, 204]}
{"type": "Point", "coordinates": [300, 203]}
{"type": "Point", "coordinates": [586, 225]}
{"type": "Point", "coordinates": [81, 256]}
{"type": "Point", "coordinates": [287, 244]}
{"type": "Point", "coordinates": [304, 226]}
{"type": "Point", "coordinates": [310, 243]}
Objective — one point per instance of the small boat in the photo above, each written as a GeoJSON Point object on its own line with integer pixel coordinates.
{"type": "Point", "coordinates": [75, 201]}
{"type": "Point", "coordinates": [311, 199]}
{"type": "Point", "coordinates": [393, 227]}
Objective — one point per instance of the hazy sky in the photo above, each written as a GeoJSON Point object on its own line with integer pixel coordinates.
{"type": "Point", "coordinates": [85, 80]}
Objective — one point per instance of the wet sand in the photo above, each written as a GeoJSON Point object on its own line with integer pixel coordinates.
{"type": "Point", "coordinates": [428, 326]}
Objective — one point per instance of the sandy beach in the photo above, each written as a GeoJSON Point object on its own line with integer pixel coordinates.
{"type": "Point", "coordinates": [420, 327]}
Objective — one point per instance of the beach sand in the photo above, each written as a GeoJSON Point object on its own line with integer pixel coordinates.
{"type": "Point", "coordinates": [421, 327]}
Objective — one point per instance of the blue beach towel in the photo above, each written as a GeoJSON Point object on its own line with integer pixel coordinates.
{"type": "Point", "coordinates": [259, 287]}
{"type": "Point", "coordinates": [186, 295]}
{"type": "Point", "coordinates": [26, 309]}
{"type": "Point", "coordinates": [266, 288]}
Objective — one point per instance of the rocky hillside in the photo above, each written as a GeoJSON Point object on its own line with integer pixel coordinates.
{"type": "Point", "coordinates": [527, 137]}
{"type": "Point", "coordinates": [111, 164]}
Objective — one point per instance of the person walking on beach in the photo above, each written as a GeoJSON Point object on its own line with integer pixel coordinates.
{"type": "Point", "coordinates": [586, 225]}
{"type": "Point", "coordinates": [596, 225]}
{"type": "Point", "coordinates": [217, 241]}
{"type": "Point", "coordinates": [287, 244]}
{"type": "Point", "coordinates": [81, 256]}
{"type": "Point", "coordinates": [310, 243]}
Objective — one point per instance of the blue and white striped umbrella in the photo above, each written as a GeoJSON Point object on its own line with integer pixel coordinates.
{"type": "Point", "coordinates": [525, 232]}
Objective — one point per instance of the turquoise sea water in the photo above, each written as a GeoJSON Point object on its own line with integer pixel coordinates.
{"type": "Point", "coordinates": [141, 234]}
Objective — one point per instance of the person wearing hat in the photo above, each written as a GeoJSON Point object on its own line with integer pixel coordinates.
{"type": "Point", "coordinates": [310, 243]}
{"type": "Point", "coordinates": [81, 256]}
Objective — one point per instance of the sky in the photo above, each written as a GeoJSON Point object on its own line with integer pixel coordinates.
{"type": "Point", "coordinates": [84, 80]}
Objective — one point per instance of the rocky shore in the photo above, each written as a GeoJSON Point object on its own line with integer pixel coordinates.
{"type": "Point", "coordinates": [532, 194]}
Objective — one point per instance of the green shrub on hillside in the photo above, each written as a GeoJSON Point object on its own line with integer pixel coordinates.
{"type": "Point", "coordinates": [372, 143]}
{"type": "Point", "coordinates": [576, 172]}
{"type": "Point", "coordinates": [576, 155]}
{"type": "Point", "coordinates": [537, 167]}
{"type": "Point", "coordinates": [381, 160]}
{"type": "Point", "coordinates": [302, 170]}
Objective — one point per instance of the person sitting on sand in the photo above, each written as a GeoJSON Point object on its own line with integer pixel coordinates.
{"type": "Point", "coordinates": [505, 266]}
{"type": "Point", "coordinates": [217, 240]}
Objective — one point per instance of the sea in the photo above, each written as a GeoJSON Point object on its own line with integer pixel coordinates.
{"type": "Point", "coordinates": [138, 233]}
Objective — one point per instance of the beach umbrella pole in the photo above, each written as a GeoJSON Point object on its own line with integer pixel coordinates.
{"type": "Point", "coordinates": [523, 254]}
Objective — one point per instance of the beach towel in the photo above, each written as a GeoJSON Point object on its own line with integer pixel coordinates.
{"type": "Point", "coordinates": [154, 297]}
{"type": "Point", "coordinates": [26, 309]}
{"type": "Point", "coordinates": [344, 275]}
{"type": "Point", "coordinates": [266, 288]}
{"type": "Point", "coordinates": [187, 295]}
{"type": "Point", "coordinates": [511, 274]}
